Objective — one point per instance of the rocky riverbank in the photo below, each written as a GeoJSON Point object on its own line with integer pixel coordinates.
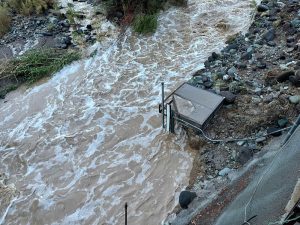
{"type": "Point", "coordinates": [259, 75]}
{"type": "Point", "coordinates": [69, 25]}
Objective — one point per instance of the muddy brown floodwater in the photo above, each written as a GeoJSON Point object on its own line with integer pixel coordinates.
{"type": "Point", "coordinates": [80, 145]}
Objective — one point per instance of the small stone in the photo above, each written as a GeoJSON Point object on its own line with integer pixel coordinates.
{"type": "Point", "coordinates": [295, 80]}
{"type": "Point", "coordinates": [229, 97]}
{"type": "Point", "coordinates": [241, 65]}
{"type": "Point", "coordinates": [269, 35]}
{"type": "Point", "coordinates": [224, 172]}
{"type": "Point", "coordinates": [232, 71]}
{"type": "Point", "coordinates": [271, 43]}
{"type": "Point", "coordinates": [215, 55]}
{"type": "Point", "coordinates": [226, 77]}
{"type": "Point", "coordinates": [208, 84]}
{"type": "Point", "coordinates": [246, 56]}
{"type": "Point", "coordinates": [284, 76]}
{"type": "Point", "coordinates": [261, 65]}
{"type": "Point", "coordinates": [268, 98]}
{"type": "Point", "coordinates": [295, 23]}
{"type": "Point", "coordinates": [282, 122]}
{"type": "Point", "coordinates": [290, 39]}
{"type": "Point", "coordinates": [89, 27]}
{"type": "Point", "coordinates": [260, 140]}
{"type": "Point", "coordinates": [262, 8]}
{"type": "Point", "coordinates": [257, 91]}
{"type": "Point", "coordinates": [294, 99]}
{"type": "Point", "coordinates": [244, 154]}
{"type": "Point", "coordinates": [240, 143]}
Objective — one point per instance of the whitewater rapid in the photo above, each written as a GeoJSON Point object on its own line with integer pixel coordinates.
{"type": "Point", "coordinates": [80, 145]}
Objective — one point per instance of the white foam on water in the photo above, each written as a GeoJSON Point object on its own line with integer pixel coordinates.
{"type": "Point", "coordinates": [90, 138]}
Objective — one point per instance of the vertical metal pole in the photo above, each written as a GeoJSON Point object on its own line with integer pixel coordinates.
{"type": "Point", "coordinates": [168, 117]}
{"type": "Point", "coordinates": [163, 104]}
{"type": "Point", "coordinates": [126, 213]}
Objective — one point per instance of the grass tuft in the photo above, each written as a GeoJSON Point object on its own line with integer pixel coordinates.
{"type": "Point", "coordinates": [145, 24]}
{"type": "Point", "coordinates": [29, 7]}
{"type": "Point", "coordinates": [32, 66]}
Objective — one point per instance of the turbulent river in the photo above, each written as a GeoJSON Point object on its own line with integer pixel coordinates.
{"type": "Point", "coordinates": [80, 145]}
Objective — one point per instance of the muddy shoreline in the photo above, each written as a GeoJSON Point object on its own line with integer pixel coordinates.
{"type": "Point", "coordinates": [259, 75]}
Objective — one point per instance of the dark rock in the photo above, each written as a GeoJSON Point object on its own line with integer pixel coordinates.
{"type": "Point", "coordinates": [262, 8]}
{"type": "Point", "coordinates": [232, 71]}
{"type": "Point", "coordinates": [274, 131]}
{"type": "Point", "coordinates": [290, 39]}
{"type": "Point", "coordinates": [269, 35]}
{"type": "Point", "coordinates": [62, 46]}
{"type": "Point", "coordinates": [295, 80]}
{"type": "Point", "coordinates": [208, 84]}
{"type": "Point", "coordinates": [246, 56]}
{"type": "Point", "coordinates": [229, 97]}
{"type": "Point", "coordinates": [271, 43]}
{"type": "Point", "coordinates": [66, 40]}
{"type": "Point", "coordinates": [205, 78]}
{"type": "Point", "coordinates": [64, 24]}
{"type": "Point", "coordinates": [185, 198]}
{"type": "Point", "coordinates": [282, 122]}
{"type": "Point", "coordinates": [295, 23]}
{"type": "Point", "coordinates": [89, 27]}
{"type": "Point", "coordinates": [244, 154]}
{"type": "Point", "coordinates": [47, 34]}
{"type": "Point", "coordinates": [241, 65]}
{"type": "Point", "coordinates": [295, 99]}
{"type": "Point", "coordinates": [261, 65]}
{"type": "Point", "coordinates": [207, 64]}
{"type": "Point", "coordinates": [284, 76]}
{"type": "Point", "coordinates": [215, 55]}
{"type": "Point", "coordinates": [232, 46]}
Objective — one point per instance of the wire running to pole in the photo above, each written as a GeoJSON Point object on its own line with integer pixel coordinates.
{"type": "Point", "coordinates": [185, 123]}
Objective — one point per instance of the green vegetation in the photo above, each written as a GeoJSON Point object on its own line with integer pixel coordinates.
{"type": "Point", "coordinates": [33, 66]}
{"type": "Point", "coordinates": [142, 14]}
{"type": "Point", "coordinates": [145, 24]}
{"type": "Point", "coordinates": [5, 20]}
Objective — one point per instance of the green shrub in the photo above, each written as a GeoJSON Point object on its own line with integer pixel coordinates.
{"type": "Point", "coordinates": [40, 63]}
{"type": "Point", "coordinates": [33, 66]}
{"type": "Point", "coordinates": [145, 24]}
{"type": "Point", "coordinates": [5, 20]}
{"type": "Point", "coordinates": [29, 7]}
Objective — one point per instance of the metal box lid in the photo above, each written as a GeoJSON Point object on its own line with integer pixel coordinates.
{"type": "Point", "coordinates": [195, 104]}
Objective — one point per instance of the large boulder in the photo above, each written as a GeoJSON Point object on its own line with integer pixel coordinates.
{"type": "Point", "coordinates": [185, 198]}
